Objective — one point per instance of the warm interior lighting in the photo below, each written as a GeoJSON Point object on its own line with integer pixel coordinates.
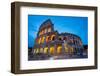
{"type": "Point", "coordinates": [34, 50]}
{"type": "Point", "coordinates": [52, 50]}
{"type": "Point", "coordinates": [41, 50]}
{"type": "Point", "coordinates": [45, 49]}
{"type": "Point", "coordinates": [52, 37]}
{"type": "Point", "coordinates": [59, 49]}
{"type": "Point", "coordinates": [72, 50]}
{"type": "Point", "coordinates": [47, 38]}
{"type": "Point", "coordinates": [37, 50]}
{"type": "Point", "coordinates": [43, 39]}
{"type": "Point", "coordinates": [66, 49]}
{"type": "Point", "coordinates": [49, 29]}
{"type": "Point", "coordinates": [60, 38]}
{"type": "Point", "coordinates": [45, 30]}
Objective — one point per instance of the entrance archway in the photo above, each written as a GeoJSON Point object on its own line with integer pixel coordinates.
{"type": "Point", "coordinates": [52, 50]}
{"type": "Point", "coordinates": [59, 49]}
{"type": "Point", "coordinates": [46, 50]}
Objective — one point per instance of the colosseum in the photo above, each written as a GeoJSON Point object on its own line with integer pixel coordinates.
{"type": "Point", "coordinates": [50, 43]}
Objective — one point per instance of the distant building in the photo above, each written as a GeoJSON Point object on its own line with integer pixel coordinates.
{"type": "Point", "coordinates": [51, 42]}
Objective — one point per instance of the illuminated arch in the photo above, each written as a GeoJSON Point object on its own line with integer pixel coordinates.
{"type": "Point", "coordinates": [52, 50]}
{"type": "Point", "coordinates": [41, 50]}
{"type": "Point", "coordinates": [52, 37]}
{"type": "Point", "coordinates": [60, 38]}
{"type": "Point", "coordinates": [72, 50]}
{"type": "Point", "coordinates": [66, 49]}
{"type": "Point", "coordinates": [47, 38]}
{"type": "Point", "coordinates": [46, 50]}
{"type": "Point", "coordinates": [37, 50]}
{"type": "Point", "coordinates": [49, 29]}
{"type": "Point", "coordinates": [42, 39]}
{"type": "Point", "coordinates": [59, 49]}
{"type": "Point", "coordinates": [34, 50]}
{"type": "Point", "coordinates": [45, 30]}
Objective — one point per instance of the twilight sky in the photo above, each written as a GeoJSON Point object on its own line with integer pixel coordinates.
{"type": "Point", "coordinates": [70, 24]}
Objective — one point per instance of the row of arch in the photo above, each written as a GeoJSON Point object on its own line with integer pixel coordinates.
{"type": "Point", "coordinates": [44, 31]}
{"type": "Point", "coordinates": [53, 50]}
{"type": "Point", "coordinates": [47, 39]}
{"type": "Point", "coordinates": [53, 37]}
{"type": "Point", "coordinates": [46, 50]}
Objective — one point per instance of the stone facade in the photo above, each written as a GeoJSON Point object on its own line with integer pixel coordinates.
{"type": "Point", "coordinates": [53, 43]}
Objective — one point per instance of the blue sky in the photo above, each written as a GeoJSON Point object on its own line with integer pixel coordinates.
{"type": "Point", "coordinates": [70, 24]}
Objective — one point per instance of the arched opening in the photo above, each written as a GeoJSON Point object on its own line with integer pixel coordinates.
{"type": "Point", "coordinates": [37, 50]}
{"type": "Point", "coordinates": [52, 50]}
{"type": "Point", "coordinates": [45, 30]}
{"type": "Point", "coordinates": [66, 49]}
{"type": "Point", "coordinates": [49, 29]}
{"type": "Point", "coordinates": [53, 37]}
{"type": "Point", "coordinates": [47, 38]}
{"type": "Point", "coordinates": [60, 38]}
{"type": "Point", "coordinates": [43, 39]}
{"type": "Point", "coordinates": [41, 50]}
{"type": "Point", "coordinates": [34, 51]}
{"type": "Point", "coordinates": [59, 49]}
{"type": "Point", "coordinates": [46, 50]}
{"type": "Point", "coordinates": [72, 50]}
